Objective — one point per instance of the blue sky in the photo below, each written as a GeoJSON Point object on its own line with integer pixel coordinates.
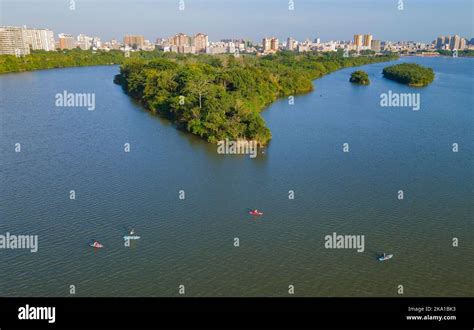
{"type": "Point", "coordinates": [421, 20]}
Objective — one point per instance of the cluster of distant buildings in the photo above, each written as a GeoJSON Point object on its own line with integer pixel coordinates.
{"type": "Point", "coordinates": [360, 42]}
{"type": "Point", "coordinates": [367, 42]}
{"type": "Point", "coordinates": [21, 40]}
{"type": "Point", "coordinates": [199, 44]}
{"type": "Point", "coordinates": [453, 42]}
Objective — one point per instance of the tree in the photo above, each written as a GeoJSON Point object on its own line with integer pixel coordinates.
{"type": "Point", "coordinates": [199, 86]}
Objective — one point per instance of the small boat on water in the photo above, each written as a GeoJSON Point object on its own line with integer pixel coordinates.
{"type": "Point", "coordinates": [256, 213]}
{"type": "Point", "coordinates": [131, 235]}
{"type": "Point", "coordinates": [127, 237]}
{"type": "Point", "coordinates": [385, 257]}
{"type": "Point", "coordinates": [96, 245]}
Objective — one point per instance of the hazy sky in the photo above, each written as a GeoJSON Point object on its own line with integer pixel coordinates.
{"type": "Point", "coordinates": [421, 20]}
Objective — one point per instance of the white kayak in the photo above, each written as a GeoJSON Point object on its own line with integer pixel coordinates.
{"type": "Point", "coordinates": [385, 257]}
{"type": "Point", "coordinates": [131, 237]}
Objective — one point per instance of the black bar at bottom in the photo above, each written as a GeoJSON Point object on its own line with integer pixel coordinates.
{"type": "Point", "coordinates": [87, 313]}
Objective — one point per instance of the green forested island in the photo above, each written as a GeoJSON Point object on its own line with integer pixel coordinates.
{"type": "Point", "coordinates": [360, 77]}
{"type": "Point", "coordinates": [411, 74]}
{"type": "Point", "coordinates": [219, 97]}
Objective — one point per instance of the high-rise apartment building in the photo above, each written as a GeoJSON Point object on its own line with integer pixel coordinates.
{"type": "Point", "coordinates": [66, 41]}
{"type": "Point", "coordinates": [441, 42]}
{"type": "Point", "coordinates": [84, 42]}
{"type": "Point", "coordinates": [358, 38]}
{"type": "Point", "coordinates": [40, 39]}
{"type": "Point", "coordinates": [267, 45]}
{"type": "Point", "coordinates": [367, 40]}
{"type": "Point", "coordinates": [291, 44]}
{"type": "Point", "coordinates": [181, 43]}
{"type": "Point", "coordinates": [455, 42]}
{"type": "Point", "coordinates": [135, 41]}
{"type": "Point", "coordinates": [180, 39]}
{"type": "Point", "coordinates": [270, 45]}
{"type": "Point", "coordinates": [13, 41]}
{"type": "Point", "coordinates": [96, 42]}
{"type": "Point", "coordinates": [200, 42]}
{"type": "Point", "coordinates": [274, 44]}
{"type": "Point", "coordinates": [376, 45]}
{"type": "Point", "coordinates": [23, 40]}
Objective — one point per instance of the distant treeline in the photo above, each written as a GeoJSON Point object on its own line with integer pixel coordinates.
{"type": "Point", "coordinates": [461, 53]}
{"type": "Point", "coordinates": [219, 97]}
{"type": "Point", "coordinates": [410, 74]}
{"type": "Point", "coordinates": [38, 60]}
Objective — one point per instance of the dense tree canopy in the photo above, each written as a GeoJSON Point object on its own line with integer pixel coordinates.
{"type": "Point", "coordinates": [221, 97]}
{"type": "Point", "coordinates": [360, 77]}
{"type": "Point", "coordinates": [38, 60]}
{"type": "Point", "coordinates": [410, 74]}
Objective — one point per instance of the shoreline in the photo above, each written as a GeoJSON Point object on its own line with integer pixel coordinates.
{"type": "Point", "coordinates": [59, 67]}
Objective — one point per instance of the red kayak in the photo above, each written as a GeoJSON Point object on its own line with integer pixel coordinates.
{"type": "Point", "coordinates": [256, 213]}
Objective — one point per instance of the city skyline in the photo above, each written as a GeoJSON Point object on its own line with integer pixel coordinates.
{"type": "Point", "coordinates": [251, 21]}
{"type": "Point", "coordinates": [365, 40]}
{"type": "Point", "coordinates": [21, 40]}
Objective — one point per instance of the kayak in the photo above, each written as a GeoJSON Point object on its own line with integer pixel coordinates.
{"type": "Point", "coordinates": [131, 237]}
{"type": "Point", "coordinates": [256, 213]}
{"type": "Point", "coordinates": [385, 257]}
{"type": "Point", "coordinates": [96, 245]}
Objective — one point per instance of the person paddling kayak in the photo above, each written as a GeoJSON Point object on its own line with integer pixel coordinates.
{"type": "Point", "coordinates": [256, 212]}
{"type": "Point", "coordinates": [385, 257]}
{"type": "Point", "coordinates": [96, 245]}
{"type": "Point", "coordinates": [131, 235]}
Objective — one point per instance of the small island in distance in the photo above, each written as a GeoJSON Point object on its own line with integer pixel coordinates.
{"type": "Point", "coordinates": [410, 74]}
{"type": "Point", "coordinates": [360, 77]}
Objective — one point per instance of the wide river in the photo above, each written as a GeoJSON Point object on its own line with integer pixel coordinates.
{"type": "Point", "coordinates": [190, 241]}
